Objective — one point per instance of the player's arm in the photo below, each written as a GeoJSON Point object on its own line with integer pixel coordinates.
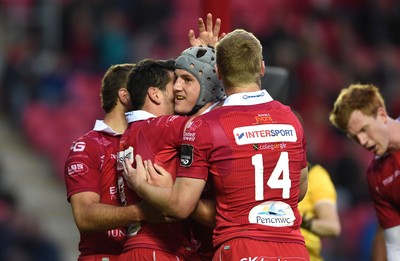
{"type": "Point", "coordinates": [205, 209]}
{"type": "Point", "coordinates": [378, 246]}
{"type": "Point", "coordinates": [208, 34]}
{"type": "Point", "coordinates": [392, 239]}
{"type": "Point", "coordinates": [303, 183]}
{"type": "Point", "coordinates": [178, 201]}
{"type": "Point", "coordinates": [91, 215]}
{"type": "Point", "coordinates": [326, 221]}
{"type": "Point", "coordinates": [205, 212]}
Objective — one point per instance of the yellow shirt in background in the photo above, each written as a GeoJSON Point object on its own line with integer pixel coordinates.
{"type": "Point", "coordinates": [320, 188]}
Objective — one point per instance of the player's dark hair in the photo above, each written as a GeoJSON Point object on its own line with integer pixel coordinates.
{"type": "Point", "coordinates": [148, 73]}
{"type": "Point", "coordinates": [114, 79]}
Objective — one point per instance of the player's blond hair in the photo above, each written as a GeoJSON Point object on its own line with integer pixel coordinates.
{"type": "Point", "coordinates": [239, 58]}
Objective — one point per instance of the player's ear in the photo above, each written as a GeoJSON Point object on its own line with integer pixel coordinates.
{"type": "Point", "coordinates": [154, 95]}
{"type": "Point", "coordinates": [262, 72]}
{"type": "Point", "coordinates": [123, 96]}
{"type": "Point", "coordinates": [216, 69]}
{"type": "Point", "coordinates": [381, 112]}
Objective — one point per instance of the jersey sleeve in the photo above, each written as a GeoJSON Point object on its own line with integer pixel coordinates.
{"type": "Point", "coordinates": [82, 168]}
{"type": "Point", "coordinates": [194, 150]}
{"type": "Point", "coordinates": [388, 216]}
{"type": "Point", "coordinates": [383, 178]}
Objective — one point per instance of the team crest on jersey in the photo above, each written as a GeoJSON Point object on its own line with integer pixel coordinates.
{"type": "Point", "coordinates": [273, 214]}
{"type": "Point", "coordinates": [193, 125]}
{"type": "Point", "coordinates": [122, 155]}
{"type": "Point", "coordinates": [190, 130]}
{"type": "Point", "coordinates": [186, 155]}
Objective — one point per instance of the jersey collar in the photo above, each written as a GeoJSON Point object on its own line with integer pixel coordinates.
{"type": "Point", "coordinates": [138, 115]}
{"type": "Point", "coordinates": [248, 98]}
{"type": "Point", "coordinates": [101, 126]}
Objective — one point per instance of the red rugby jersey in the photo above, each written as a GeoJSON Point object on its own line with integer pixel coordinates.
{"type": "Point", "coordinates": [383, 178]}
{"type": "Point", "coordinates": [91, 166]}
{"type": "Point", "coordinates": [156, 139]}
{"type": "Point", "coordinates": [254, 151]}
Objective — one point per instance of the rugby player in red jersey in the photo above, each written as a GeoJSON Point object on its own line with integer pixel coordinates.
{"type": "Point", "coordinates": [90, 169]}
{"type": "Point", "coordinates": [360, 111]}
{"type": "Point", "coordinates": [196, 89]}
{"type": "Point", "coordinates": [257, 188]}
{"type": "Point", "coordinates": [90, 175]}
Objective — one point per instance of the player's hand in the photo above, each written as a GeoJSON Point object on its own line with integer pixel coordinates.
{"type": "Point", "coordinates": [208, 35]}
{"type": "Point", "coordinates": [135, 177]}
{"type": "Point", "coordinates": [160, 178]}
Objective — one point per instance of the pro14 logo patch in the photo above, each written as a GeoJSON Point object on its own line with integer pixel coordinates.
{"type": "Point", "coordinates": [186, 155]}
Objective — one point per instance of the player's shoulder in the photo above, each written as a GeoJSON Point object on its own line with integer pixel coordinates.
{"type": "Point", "coordinates": [169, 120]}
{"type": "Point", "coordinates": [388, 158]}
{"type": "Point", "coordinates": [85, 144]}
{"type": "Point", "coordinates": [97, 139]}
{"type": "Point", "coordinates": [88, 136]}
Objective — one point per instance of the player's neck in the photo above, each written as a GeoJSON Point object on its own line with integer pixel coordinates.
{"type": "Point", "coordinates": [207, 106]}
{"type": "Point", "coordinates": [242, 88]}
{"type": "Point", "coordinates": [116, 120]}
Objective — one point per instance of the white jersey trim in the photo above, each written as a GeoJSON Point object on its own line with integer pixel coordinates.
{"type": "Point", "coordinates": [248, 98]}
{"type": "Point", "coordinates": [101, 126]}
{"type": "Point", "coordinates": [138, 115]}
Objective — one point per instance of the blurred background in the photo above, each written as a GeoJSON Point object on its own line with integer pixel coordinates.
{"type": "Point", "coordinates": [53, 54]}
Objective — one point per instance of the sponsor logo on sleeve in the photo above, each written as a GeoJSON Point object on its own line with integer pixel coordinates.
{"type": "Point", "coordinates": [77, 168]}
{"type": "Point", "coordinates": [265, 133]}
{"type": "Point", "coordinates": [78, 146]}
{"type": "Point", "coordinates": [186, 155]}
{"type": "Point", "coordinates": [273, 214]}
